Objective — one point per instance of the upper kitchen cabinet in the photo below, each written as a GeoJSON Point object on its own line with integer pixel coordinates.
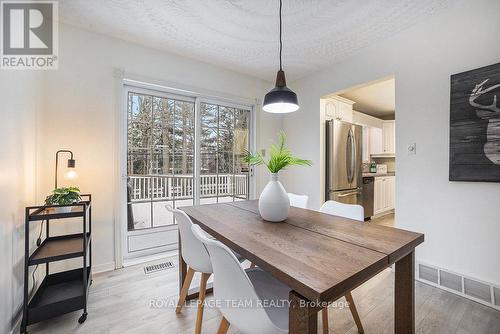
{"type": "Point", "coordinates": [383, 141]}
{"type": "Point", "coordinates": [340, 108]}
{"type": "Point", "coordinates": [376, 141]}
{"type": "Point", "coordinates": [389, 137]}
{"type": "Point", "coordinates": [366, 144]}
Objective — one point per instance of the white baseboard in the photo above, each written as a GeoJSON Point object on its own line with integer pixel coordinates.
{"type": "Point", "coordinates": [149, 258]}
{"type": "Point", "coordinates": [103, 267]}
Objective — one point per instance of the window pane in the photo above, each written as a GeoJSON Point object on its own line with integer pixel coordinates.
{"type": "Point", "coordinates": [208, 139]}
{"type": "Point", "coordinates": [162, 163]}
{"type": "Point", "coordinates": [162, 124]}
{"type": "Point", "coordinates": [225, 140]}
{"type": "Point", "coordinates": [225, 163]}
{"type": "Point", "coordinates": [139, 215]}
{"type": "Point", "coordinates": [208, 162]}
{"type": "Point", "coordinates": [226, 118]}
{"type": "Point", "coordinates": [242, 119]}
{"type": "Point", "coordinates": [208, 115]}
{"type": "Point", "coordinates": [241, 144]}
{"type": "Point", "coordinates": [161, 216]}
{"type": "Point", "coordinates": [160, 144]}
{"type": "Point", "coordinates": [183, 162]}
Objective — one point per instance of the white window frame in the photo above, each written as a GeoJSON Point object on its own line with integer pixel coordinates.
{"type": "Point", "coordinates": [128, 85]}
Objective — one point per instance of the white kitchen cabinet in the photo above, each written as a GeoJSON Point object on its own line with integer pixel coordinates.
{"type": "Point", "coordinates": [375, 144]}
{"type": "Point", "coordinates": [366, 120]}
{"type": "Point", "coordinates": [384, 194]}
{"type": "Point", "coordinates": [388, 137]}
{"type": "Point", "coordinates": [339, 108]}
{"type": "Point", "coordinates": [389, 190]}
{"type": "Point", "coordinates": [378, 195]}
{"type": "Point", "coordinates": [366, 144]}
{"type": "Point", "coordinates": [344, 112]}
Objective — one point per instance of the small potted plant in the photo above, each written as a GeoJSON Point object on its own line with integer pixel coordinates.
{"type": "Point", "coordinates": [63, 196]}
{"type": "Point", "coordinates": [273, 201]}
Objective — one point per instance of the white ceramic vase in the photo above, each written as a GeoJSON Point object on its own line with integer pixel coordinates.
{"type": "Point", "coordinates": [273, 201]}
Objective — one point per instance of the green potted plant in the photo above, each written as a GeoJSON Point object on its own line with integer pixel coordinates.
{"type": "Point", "coordinates": [273, 201]}
{"type": "Point", "coordinates": [63, 196]}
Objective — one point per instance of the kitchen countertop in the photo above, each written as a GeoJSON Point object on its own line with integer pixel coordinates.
{"type": "Point", "coordinates": [379, 174]}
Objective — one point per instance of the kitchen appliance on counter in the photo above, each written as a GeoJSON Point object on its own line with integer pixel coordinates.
{"type": "Point", "coordinates": [343, 162]}
{"type": "Point", "coordinates": [368, 196]}
{"type": "Point", "coordinates": [381, 169]}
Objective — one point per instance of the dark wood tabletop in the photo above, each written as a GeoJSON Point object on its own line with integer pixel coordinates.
{"type": "Point", "coordinates": [319, 256]}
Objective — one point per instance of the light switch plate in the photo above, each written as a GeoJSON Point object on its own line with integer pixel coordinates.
{"type": "Point", "coordinates": [412, 149]}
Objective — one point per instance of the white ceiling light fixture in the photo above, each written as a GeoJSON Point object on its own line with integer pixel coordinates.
{"type": "Point", "coordinates": [280, 99]}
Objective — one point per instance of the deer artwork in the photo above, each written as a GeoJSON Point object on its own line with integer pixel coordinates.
{"type": "Point", "coordinates": [491, 113]}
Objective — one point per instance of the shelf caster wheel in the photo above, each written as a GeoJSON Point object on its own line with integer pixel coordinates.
{"type": "Point", "coordinates": [82, 319]}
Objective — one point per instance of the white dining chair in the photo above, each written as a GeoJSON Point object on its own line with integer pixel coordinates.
{"type": "Point", "coordinates": [355, 212]}
{"type": "Point", "coordinates": [197, 259]}
{"type": "Point", "coordinates": [351, 211]}
{"type": "Point", "coordinates": [299, 201]}
{"type": "Point", "coordinates": [249, 287]}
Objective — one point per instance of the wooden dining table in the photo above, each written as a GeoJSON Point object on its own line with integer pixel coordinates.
{"type": "Point", "coordinates": [319, 256]}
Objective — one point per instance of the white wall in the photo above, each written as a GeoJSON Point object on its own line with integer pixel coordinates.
{"type": "Point", "coordinates": [80, 105]}
{"type": "Point", "coordinates": [459, 219]}
{"type": "Point", "coordinates": [20, 96]}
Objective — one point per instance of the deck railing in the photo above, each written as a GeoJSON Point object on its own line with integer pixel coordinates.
{"type": "Point", "coordinates": [168, 187]}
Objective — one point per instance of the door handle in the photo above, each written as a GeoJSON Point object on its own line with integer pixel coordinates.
{"type": "Point", "coordinates": [349, 194]}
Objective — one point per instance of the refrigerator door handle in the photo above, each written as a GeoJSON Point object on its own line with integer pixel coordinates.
{"type": "Point", "coordinates": [349, 156]}
{"type": "Point", "coordinates": [353, 156]}
{"type": "Point", "coordinates": [350, 194]}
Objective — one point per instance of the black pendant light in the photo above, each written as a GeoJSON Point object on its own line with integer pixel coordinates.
{"type": "Point", "coordinates": [280, 99]}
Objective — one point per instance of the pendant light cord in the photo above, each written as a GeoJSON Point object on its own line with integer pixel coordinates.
{"type": "Point", "coordinates": [281, 42]}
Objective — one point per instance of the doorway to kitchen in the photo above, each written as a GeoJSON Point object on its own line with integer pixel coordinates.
{"type": "Point", "coordinates": [371, 108]}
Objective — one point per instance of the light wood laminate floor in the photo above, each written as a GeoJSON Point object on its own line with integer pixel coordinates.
{"type": "Point", "coordinates": [129, 301]}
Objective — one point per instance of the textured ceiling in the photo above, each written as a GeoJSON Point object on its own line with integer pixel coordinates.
{"type": "Point", "coordinates": [242, 35]}
{"type": "Point", "coordinates": [376, 99]}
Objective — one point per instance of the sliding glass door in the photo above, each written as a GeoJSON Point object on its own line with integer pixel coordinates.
{"type": "Point", "coordinates": [163, 148]}
{"type": "Point", "coordinates": [225, 133]}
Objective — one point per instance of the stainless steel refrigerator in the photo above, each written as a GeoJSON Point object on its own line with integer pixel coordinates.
{"type": "Point", "coordinates": [343, 162]}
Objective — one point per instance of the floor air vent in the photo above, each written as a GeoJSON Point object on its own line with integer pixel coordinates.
{"type": "Point", "coordinates": [158, 267]}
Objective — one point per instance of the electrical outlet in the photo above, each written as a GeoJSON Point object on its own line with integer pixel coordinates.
{"type": "Point", "coordinates": [412, 149]}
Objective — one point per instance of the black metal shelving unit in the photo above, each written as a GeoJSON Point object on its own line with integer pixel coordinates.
{"type": "Point", "coordinates": [62, 292]}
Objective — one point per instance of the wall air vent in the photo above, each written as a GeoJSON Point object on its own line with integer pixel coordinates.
{"type": "Point", "coordinates": [477, 290]}
{"type": "Point", "coordinates": [496, 294]}
{"type": "Point", "coordinates": [428, 273]}
{"type": "Point", "coordinates": [467, 287]}
{"type": "Point", "coordinates": [451, 281]}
